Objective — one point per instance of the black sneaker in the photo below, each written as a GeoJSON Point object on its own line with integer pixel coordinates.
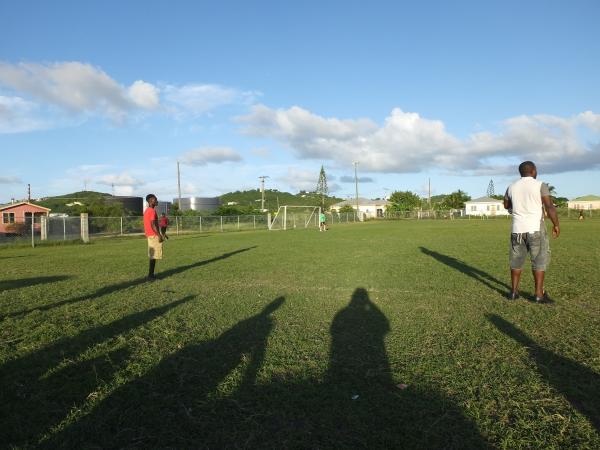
{"type": "Point", "coordinates": [544, 299]}
{"type": "Point", "coordinates": [513, 295]}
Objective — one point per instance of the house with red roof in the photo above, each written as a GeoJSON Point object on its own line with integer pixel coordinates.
{"type": "Point", "coordinates": [14, 217]}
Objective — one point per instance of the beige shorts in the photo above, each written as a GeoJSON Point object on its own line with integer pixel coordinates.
{"type": "Point", "coordinates": [154, 248]}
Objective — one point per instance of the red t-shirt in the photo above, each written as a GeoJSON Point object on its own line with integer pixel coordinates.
{"type": "Point", "coordinates": [163, 222]}
{"type": "Point", "coordinates": [149, 217]}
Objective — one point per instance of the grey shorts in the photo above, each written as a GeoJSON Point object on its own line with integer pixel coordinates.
{"type": "Point", "coordinates": [536, 244]}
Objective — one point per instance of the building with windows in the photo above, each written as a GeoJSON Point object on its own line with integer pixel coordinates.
{"type": "Point", "coordinates": [14, 217]}
{"type": "Point", "coordinates": [368, 209]}
{"type": "Point", "coordinates": [485, 206]}
{"type": "Point", "coordinates": [586, 202]}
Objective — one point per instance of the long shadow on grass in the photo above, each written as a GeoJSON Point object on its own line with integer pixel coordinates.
{"type": "Point", "coordinates": [39, 389]}
{"type": "Point", "coordinates": [579, 384]}
{"type": "Point", "coordinates": [207, 396]}
{"type": "Point", "coordinates": [473, 272]}
{"type": "Point", "coordinates": [7, 285]}
{"type": "Point", "coordinates": [106, 290]}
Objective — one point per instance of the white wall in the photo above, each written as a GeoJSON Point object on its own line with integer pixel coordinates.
{"type": "Point", "coordinates": [485, 209]}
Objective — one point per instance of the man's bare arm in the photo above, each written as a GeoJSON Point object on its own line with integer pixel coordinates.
{"type": "Point", "coordinates": [551, 211]}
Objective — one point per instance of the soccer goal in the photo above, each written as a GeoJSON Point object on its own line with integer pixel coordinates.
{"type": "Point", "coordinates": [291, 217]}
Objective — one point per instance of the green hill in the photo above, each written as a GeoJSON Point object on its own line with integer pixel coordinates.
{"type": "Point", "coordinates": [274, 198]}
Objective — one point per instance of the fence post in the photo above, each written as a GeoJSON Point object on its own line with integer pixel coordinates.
{"type": "Point", "coordinates": [221, 223]}
{"type": "Point", "coordinates": [269, 221]}
{"type": "Point", "coordinates": [238, 222]}
{"type": "Point", "coordinates": [254, 221]}
{"type": "Point", "coordinates": [64, 228]}
{"type": "Point", "coordinates": [121, 225]}
{"type": "Point", "coordinates": [85, 228]}
{"type": "Point", "coordinates": [44, 227]}
{"type": "Point", "coordinates": [177, 225]}
{"type": "Point", "coordinates": [32, 230]}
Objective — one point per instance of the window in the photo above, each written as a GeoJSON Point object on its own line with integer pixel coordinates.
{"type": "Point", "coordinates": [8, 217]}
{"type": "Point", "coordinates": [473, 208]}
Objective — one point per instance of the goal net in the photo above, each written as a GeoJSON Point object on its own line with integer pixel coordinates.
{"type": "Point", "coordinates": [291, 217]}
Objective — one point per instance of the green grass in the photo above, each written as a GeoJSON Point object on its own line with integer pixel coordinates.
{"type": "Point", "coordinates": [264, 339]}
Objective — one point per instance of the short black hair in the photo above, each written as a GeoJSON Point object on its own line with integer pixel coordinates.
{"type": "Point", "coordinates": [526, 167]}
{"type": "Point", "coordinates": [149, 196]}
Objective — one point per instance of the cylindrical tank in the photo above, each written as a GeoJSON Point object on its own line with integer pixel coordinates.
{"type": "Point", "coordinates": [198, 203]}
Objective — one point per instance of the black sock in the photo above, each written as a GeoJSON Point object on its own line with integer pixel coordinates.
{"type": "Point", "coordinates": [151, 268]}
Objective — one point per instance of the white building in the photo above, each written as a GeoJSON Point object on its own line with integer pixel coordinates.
{"type": "Point", "coordinates": [367, 208]}
{"type": "Point", "coordinates": [485, 206]}
{"type": "Point", "coordinates": [585, 202]}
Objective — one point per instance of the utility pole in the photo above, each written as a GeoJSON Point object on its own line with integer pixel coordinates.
{"type": "Point", "coordinates": [262, 191]}
{"type": "Point", "coordinates": [28, 192]}
{"type": "Point", "coordinates": [429, 194]}
{"type": "Point", "coordinates": [178, 188]}
{"type": "Point", "coordinates": [356, 185]}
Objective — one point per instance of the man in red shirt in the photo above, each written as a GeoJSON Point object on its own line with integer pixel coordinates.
{"type": "Point", "coordinates": [153, 234]}
{"type": "Point", "coordinates": [163, 223]}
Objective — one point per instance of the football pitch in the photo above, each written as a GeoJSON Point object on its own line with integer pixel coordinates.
{"type": "Point", "coordinates": [374, 335]}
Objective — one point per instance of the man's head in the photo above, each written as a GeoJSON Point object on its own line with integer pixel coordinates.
{"type": "Point", "coordinates": [528, 169]}
{"type": "Point", "coordinates": [162, 214]}
{"type": "Point", "coordinates": [152, 200]}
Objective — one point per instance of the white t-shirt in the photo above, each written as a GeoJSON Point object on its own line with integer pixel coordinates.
{"type": "Point", "coordinates": [526, 198]}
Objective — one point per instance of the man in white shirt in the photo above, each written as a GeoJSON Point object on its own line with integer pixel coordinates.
{"type": "Point", "coordinates": [526, 199]}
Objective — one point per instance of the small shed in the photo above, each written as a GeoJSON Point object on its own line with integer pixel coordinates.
{"type": "Point", "coordinates": [485, 206]}
{"type": "Point", "coordinates": [15, 216]}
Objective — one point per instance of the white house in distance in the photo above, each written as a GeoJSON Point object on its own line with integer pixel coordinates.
{"type": "Point", "coordinates": [367, 208]}
{"type": "Point", "coordinates": [485, 206]}
{"type": "Point", "coordinates": [585, 202]}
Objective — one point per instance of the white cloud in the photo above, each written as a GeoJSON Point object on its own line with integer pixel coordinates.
{"type": "Point", "coordinates": [18, 115]}
{"type": "Point", "coordinates": [350, 179]}
{"type": "Point", "coordinates": [77, 88]}
{"type": "Point", "coordinates": [299, 180]}
{"type": "Point", "coordinates": [9, 179]}
{"type": "Point", "coordinates": [120, 180]}
{"type": "Point", "coordinates": [407, 142]}
{"type": "Point", "coordinates": [197, 99]}
{"type": "Point", "coordinates": [216, 155]}
{"type": "Point", "coordinates": [145, 95]}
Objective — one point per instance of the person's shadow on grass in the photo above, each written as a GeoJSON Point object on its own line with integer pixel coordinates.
{"type": "Point", "coordinates": [6, 285]}
{"type": "Point", "coordinates": [39, 389]}
{"type": "Point", "coordinates": [473, 272]}
{"type": "Point", "coordinates": [579, 384]}
{"type": "Point", "coordinates": [110, 289]}
{"type": "Point", "coordinates": [208, 395]}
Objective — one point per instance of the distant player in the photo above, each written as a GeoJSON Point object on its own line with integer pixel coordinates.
{"type": "Point", "coordinates": [153, 235]}
{"type": "Point", "coordinates": [163, 224]}
{"type": "Point", "coordinates": [322, 224]}
{"type": "Point", "coordinates": [526, 199]}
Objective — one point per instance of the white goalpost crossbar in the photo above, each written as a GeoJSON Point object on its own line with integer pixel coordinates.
{"type": "Point", "coordinates": [281, 216]}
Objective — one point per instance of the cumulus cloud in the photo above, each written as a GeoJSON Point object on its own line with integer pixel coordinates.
{"type": "Point", "coordinates": [407, 142]}
{"type": "Point", "coordinates": [9, 179]}
{"type": "Point", "coordinates": [120, 180]}
{"type": "Point", "coordinates": [206, 155]}
{"type": "Point", "coordinates": [78, 88]}
{"type": "Point", "coordinates": [197, 99]}
{"type": "Point", "coordinates": [299, 179]}
{"type": "Point", "coordinates": [350, 179]}
{"type": "Point", "coordinates": [18, 115]}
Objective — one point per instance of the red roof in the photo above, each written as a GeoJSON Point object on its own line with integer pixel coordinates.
{"type": "Point", "coordinates": [13, 205]}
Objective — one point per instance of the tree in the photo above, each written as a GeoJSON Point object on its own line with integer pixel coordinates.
{"type": "Point", "coordinates": [322, 188]}
{"type": "Point", "coordinates": [456, 200]}
{"type": "Point", "coordinates": [491, 192]}
{"type": "Point", "coordinates": [346, 209]}
{"type": "Point", "coordinates": [404, 201]}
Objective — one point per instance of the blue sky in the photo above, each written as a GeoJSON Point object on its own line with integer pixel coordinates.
{"type": "Point", "coordinates": [109, 95]}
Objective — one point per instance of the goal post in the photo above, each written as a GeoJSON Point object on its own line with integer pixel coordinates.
{"type": "Point", "coordinates": [293, 216]}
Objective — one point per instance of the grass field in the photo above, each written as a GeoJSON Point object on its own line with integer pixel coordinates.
{"type": "Point", "coordinates": [301, 339]}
